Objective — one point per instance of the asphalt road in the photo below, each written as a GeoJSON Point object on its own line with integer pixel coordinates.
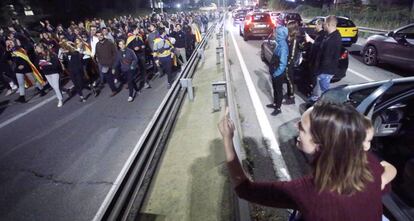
{"type": "Point", "coordinates": [60, 163]}
{"type": "Point", "coordinates": [256, 121]}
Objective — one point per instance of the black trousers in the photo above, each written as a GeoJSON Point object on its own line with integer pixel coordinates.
{"type": "Point", "coordinates": [166, 66]}
{"type": "Point", "coordinates": [290, 84]}
{"type": "Point", "coordinates": [77, 79]}
{"type": "Point", "coordinates": [130, 77]}
{"type": "Point", "coordinates": [109, 78]}
{"type": "Point", "coordinates": [277, 83]}
{"type": "Point", "coordinates": [142, 68]}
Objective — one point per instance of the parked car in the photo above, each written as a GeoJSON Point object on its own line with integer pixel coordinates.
{"type": "Point", "coordinates": [291, 16]}
{"type": "Point", "coordinates": [345, 26]}
{"type": "Point", "coordinates": [256, 24]}
{"type": "Point", "coordinates": [396, 47]}
{"type": "Point", "coordinates": [239, 16]}
{"type": "Point", "coordinates": [390, 106]}
{"type": "Point", "coordinates": [274, 16]}
{"type": "Point", "coordinates": [302, 75]}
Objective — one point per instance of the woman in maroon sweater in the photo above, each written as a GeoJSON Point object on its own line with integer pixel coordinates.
{"type": "Point", "coordinates": [345, 183]}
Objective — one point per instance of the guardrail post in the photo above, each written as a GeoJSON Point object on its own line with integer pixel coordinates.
{"type": "Point", "coordinates": [187, 83]}
{"type": "Point", "coordinates": [219, 52]}
{"type": "Point", "coordinates": [200, 53]}
{"type": "Point", "coordinates": [219, 91]}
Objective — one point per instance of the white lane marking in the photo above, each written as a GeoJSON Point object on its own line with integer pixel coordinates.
{"type": "Point", "coordinates": [264, 123]}
{"type": "Point", "coordinates": [360, 75]}
{"type": "Point", "coordinates": [11, 120]}
{"type": "Point", "coordinates": [102, 209]}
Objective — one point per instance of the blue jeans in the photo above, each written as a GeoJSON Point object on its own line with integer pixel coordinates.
{"type": "Point", "coordinates": [323, 81]}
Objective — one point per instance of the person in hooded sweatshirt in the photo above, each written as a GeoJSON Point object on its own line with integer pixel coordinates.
{"type": "Point", "coordinates": [277, 68]}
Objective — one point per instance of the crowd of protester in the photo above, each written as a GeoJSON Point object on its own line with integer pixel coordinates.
{"type": "Point", "coordinates": [121, 51]}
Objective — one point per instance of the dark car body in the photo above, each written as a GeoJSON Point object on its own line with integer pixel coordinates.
{"type": "Point", "coordinates": [256, 24]}
{"type": "Point", "coordinates": [302, 74]}
{"type": "Point", "coordinates": [390, 106]}
{"type": "Point", "coordinates": [396, 48]}
{"type": "Point", "coordinates": [291, 16]}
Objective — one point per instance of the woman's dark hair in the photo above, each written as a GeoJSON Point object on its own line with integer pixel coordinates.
{"type": "Point", "coordinates": [341, 164]}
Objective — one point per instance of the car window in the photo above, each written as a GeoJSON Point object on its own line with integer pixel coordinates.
{"type": "Point", "coordinates": [357, 97]}
{"type": "Point", "coordinates": [345, 23]}
{"type": "Point", "coordinates": [407, 32]}
{"type": "Point", "coordinates": [295, 17]}
{"type": "Point", "coordinates": [260, 18]}
{"type": "Point", "coordinates": [395, 90]}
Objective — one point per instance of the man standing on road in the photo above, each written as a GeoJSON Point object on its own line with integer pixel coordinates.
{"type": "Point", "coordinates": [313, 56]}
{"type": "Point", "coordinates": [328, 58]}
{"type": "Point", "coordinates": [106, 57]}
{"type": "Point", "coordinates": [278, 68]}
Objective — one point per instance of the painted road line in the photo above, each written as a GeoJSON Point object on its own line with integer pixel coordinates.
{"type": "Point", "coordinates": [267, 131]}
{"type": "Point", "coordinates": [11, 120]}
{"type": "Point", "coordinates": [360, 75]}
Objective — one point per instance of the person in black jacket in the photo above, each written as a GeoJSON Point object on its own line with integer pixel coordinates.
{"type": "Point", "coordinates": [74, 65]}
{"type": "Point", "coordinates": [180, 43]}
{"type": "Point", "coordinates": [137, 44]}
{"type": "Point", "coordinates": [328, 59]}
{"type": "Point", "coordinates": [126, 61]}
{"type": "Point", "coordinates": [49, 64]}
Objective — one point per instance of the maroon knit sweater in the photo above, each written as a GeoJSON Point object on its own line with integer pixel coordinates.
{"type": "Point", "coordinates": [301, 194]}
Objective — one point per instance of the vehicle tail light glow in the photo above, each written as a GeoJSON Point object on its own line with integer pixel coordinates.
{"type": "Point", "coordinates": [248, 21]}
{"type": "Point", "coordinates": [344, 55]}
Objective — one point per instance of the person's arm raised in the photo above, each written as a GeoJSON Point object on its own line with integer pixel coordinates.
{"type": "Point", "coordinates": [226, 128]}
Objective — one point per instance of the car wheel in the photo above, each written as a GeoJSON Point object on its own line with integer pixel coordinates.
{"type": "Point", "coordinates": [370, 56]}
{"type": "Point", "coordinates": [262, 55]}
{"type": "Point", "coordinates": [245, 38]}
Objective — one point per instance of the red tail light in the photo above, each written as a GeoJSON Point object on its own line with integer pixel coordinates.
{"type": "Point", "coordinates": [248, 21]}
{"type": "Point", "coordinates": [344, 55]}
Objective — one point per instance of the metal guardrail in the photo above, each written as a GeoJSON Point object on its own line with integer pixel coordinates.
{"type": "Point", "coordinates": [372, 30]}
{"type": "Point", "coordinates": [126, 201]}
{"type": "Point", "coordinates": [242, 211]}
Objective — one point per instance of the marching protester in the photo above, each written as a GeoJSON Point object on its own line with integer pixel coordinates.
{"type": "Point", "coordinates": [180, 43]}
{"type": "Point", "coordinates": [73, 60]}
{"type": "Point", "coordinates": [91, 40]}
{"type": "Point", "coordinates": [137, 44]}
{"type": "Point", "coordinates": [163, 54]}
{"type": "Point", "coordinates": [49, 64]}
{"type": "Point", "coordinates": [24, 68]}
{"type": "Point", "coordinates": [127, 62]}
{"type": "Point", "coordinates": [106, 56]}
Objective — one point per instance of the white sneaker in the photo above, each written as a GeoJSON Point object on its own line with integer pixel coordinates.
{"type": "Point", "coordinates": [130, 99]}
{"type": "Point", "coordinates": [115, 80]}
{"type": "Point", "coordinates": [60, 103]}
{"type": "Point", "coordinates": [10, 91]}
{"type": "Point", "coordinates": [13, 86]}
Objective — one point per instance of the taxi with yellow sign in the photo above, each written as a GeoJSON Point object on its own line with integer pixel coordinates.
{"type": "Point", "coordinates": [347, 29]}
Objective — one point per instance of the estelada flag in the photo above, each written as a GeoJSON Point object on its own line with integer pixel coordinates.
{"type": "Point", "coordinates": [21, 53]}
{"type": "Point", "coordinates": [131, 37]}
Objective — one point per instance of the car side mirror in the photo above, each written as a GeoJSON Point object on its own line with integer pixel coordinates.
{"type": "Point", "coordinates": [390, 34]}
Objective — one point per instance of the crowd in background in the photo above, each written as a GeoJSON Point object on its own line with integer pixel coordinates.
{"type": "Point", "coordinates": [125, 50]}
